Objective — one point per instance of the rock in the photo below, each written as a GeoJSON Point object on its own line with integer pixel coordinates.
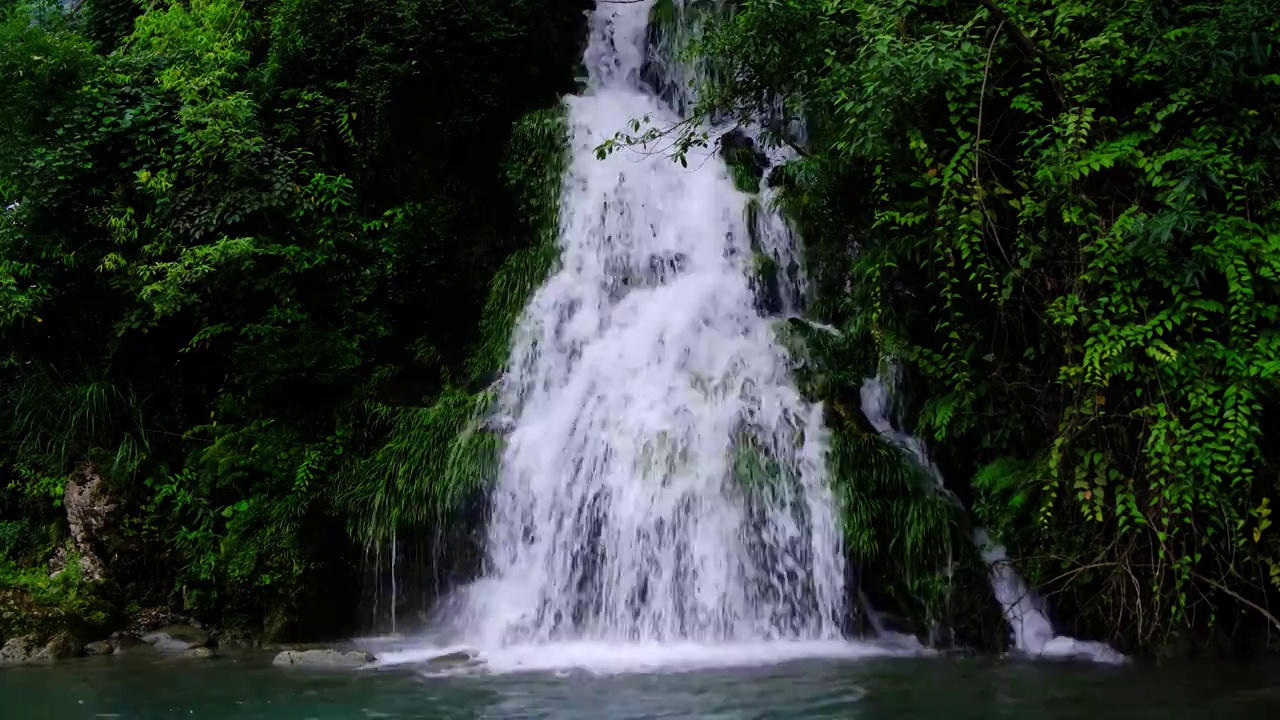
{"type": "Point", "coordinates": [20, 650]}
{"type": "Point", "coordinates": [63, 646]}
{"type": "Point", "coordinates": [28, 649]}
{"type": "Point", "coordinates": [323, 659]}
{"type": "Point", "coordinates": [460, 658]}
{"type": "Point", "coordinates": [123, 641]}
{"type": "Point", "coordinates": [149, 620]}
{"type": "Point", "coordinates": [236, 638]}
{"type": "Point", "coordinates": [88, 513]}
{"type": "Point", "coordinates": [173, 639]}
{"type": "Point", "coordinates": [198, 652]}
{"type": "Point", "coordinates": [278, 623]}
{"type": "Point", "coordinates": [100, 647]}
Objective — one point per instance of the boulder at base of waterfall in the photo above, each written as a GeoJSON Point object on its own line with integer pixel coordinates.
{"type": "Point", "coordinates": [198, 653]}
{"type": "Point", "coordinates": [175, 639]}
{"type": "Point", "coordinates": [458, 659]}
{"type": "Point", "coordinates": [323, 659]}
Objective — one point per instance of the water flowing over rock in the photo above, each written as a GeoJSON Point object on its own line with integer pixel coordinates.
{"type": "Point", "coordinates": [1024, 610]}
{"type": "Point", "coordinates": [636, 387]}
{"type": "Point", "coordinates": [174, 639]}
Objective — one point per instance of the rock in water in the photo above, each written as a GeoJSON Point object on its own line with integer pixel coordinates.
{"type": "Point", "coordinates": [123, 641]}
{"type": "Point", "coordinates": [101, 647]}
{"type": "Point", "coordinates": [459, 659]}
{"type": "Point", "coordinates": [323, 659]}
{"type": "Point", "coordinates": [19, 650]}
{"type": "Point", "coordinates": [63, 646]}
{"type": "Point", "coordinates": [175, 639]}
{"type": "Point", "coordinates": [28, 649]}
{"type": "Point", "coordinates": [198, 652]}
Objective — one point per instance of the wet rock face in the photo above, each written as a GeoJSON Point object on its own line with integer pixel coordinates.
{"type": "Point", "coordinates": [89, 510]}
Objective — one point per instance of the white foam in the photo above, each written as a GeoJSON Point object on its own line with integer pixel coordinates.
{"type": "Point", "coordinates": [640, 373]}
{"type": "Point", "coordinates": [647, 657]}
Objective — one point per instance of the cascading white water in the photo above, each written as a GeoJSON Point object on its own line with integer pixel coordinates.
{"type": "Point", "coordinates": [1023, 609]}
{"type": "Point", "coordinates": [641, 377]}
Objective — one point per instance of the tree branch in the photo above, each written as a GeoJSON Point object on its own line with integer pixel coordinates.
{"type": "Point", "coordinates": [1240, 598]}
{"type": "Point", "coordinates": [1024, 43]}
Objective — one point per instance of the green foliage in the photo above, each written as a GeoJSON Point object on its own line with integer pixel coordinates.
{"type": "Point", "coordinates": [31, 601]}
{"type": "Point", "coordinates": [258, 261]}
{"type": "Point", "coordinates": [432, 464]}
{"type": "Point", "coordinates": [898, 529]}
{"type": "Point", "coordinates": [57, 422]}
{"type": "Point", "coordinates": [537, 159]}
{"type": "Point", "coordinates": [1063, 219]}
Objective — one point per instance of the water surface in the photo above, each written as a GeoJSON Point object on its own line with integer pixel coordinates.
{"type": "Point", "coordinates": [954, 688]}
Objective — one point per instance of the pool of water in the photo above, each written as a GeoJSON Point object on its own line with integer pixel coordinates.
{"type": "Point", "coordinates": [868, 688]}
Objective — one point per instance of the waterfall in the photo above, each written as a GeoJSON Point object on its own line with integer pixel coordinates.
{"type": "Point", "coordinates": [1023, 609]}
{"type": "Point", "coordinates": [662, 498]}
{"type": "Point", "coordinates": [640, 376]}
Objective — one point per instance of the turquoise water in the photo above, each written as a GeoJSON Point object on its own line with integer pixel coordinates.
{"type": "Point", "coordinates": [867, 689]}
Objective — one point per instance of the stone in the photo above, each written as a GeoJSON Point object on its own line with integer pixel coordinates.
{"type": "Point", "coordinates": [323, 658]}
{"type": "Point", "coordinates": [20, 650]}
{"type": "Point", "coordinates": [99, 647]}
{"type": "Point", "coordinates": [89, 510]}
{"type": "Point", "coordinates": [123, 641]}
{"type": "Point", "coordinates": [197, 652]}
{"type": "Point", "coordinates": [29, 649]}
{"type": "Point", "coordinates": [236, 639]}
{"type": "Point", "coordinates": [174, 639]}
{"type": "Point", "coordinates": [62, 646]}
{"type": "Point", "coordinates": [457, 659]}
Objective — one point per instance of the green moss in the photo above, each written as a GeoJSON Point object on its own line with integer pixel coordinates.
{"type": "Point", "coordinates": [746, 177]}
{"type": "Point", "coordinates": [31, 602]}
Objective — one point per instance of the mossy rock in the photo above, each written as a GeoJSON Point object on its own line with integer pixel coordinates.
{"type": "Point", "coordinates": [84, 614]}
{"type": "Point", "coordinates": [21, 615]}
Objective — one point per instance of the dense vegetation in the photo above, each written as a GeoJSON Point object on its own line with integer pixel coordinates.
{"type": "Point", "coordinates": [254, 256]}
{"type": "Point", "coordinates": [259, 261]}
{"type": "Point", "coordinates": [1063, 220]}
